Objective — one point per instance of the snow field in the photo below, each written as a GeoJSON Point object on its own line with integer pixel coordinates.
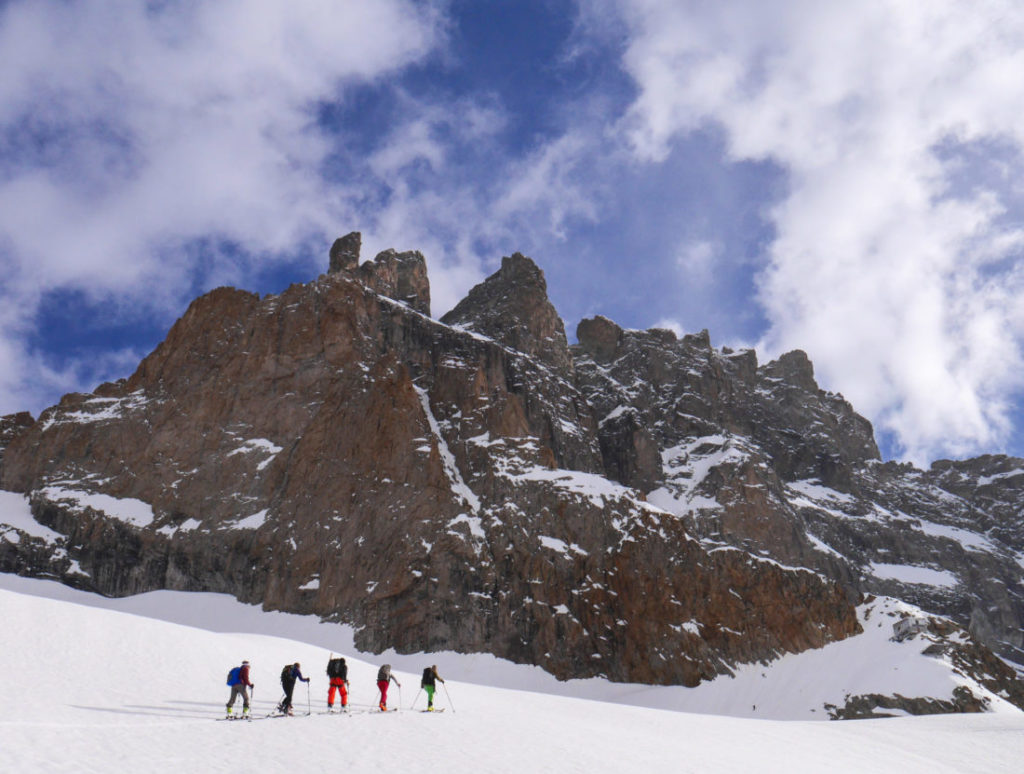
{"type": "Point", "coordinates": [90, 690]}
{"type": "Point", "coordinates": [793, 687]}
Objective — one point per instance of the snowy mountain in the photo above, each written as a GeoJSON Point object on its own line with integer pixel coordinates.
{"type": "Point", "coordinates": [636, 507]}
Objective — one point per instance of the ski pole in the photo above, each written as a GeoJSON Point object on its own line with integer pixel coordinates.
{"type": "Point", "coordinates": [399, 696]}
{"type": "Point", "coordinates": [309, 707]}
{"type": "Point", "coordinates": [413, 705]}
{"type": "Point", "coordinates": [447, 696]}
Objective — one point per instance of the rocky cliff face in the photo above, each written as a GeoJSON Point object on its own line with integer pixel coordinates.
{"type": "Point", "coordinates": [638, 506]}
{"type": "Point", "coordinates": [759, 458]}
{"type": "Point", "coordinates": [11, 426]}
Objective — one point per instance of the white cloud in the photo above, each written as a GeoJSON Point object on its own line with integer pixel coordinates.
{"type": "Point", "coordinates": [475, 201]}
{"type": "Point", "coordinates": [129, 129]}
{"type": "Point", "coordinates": [669, 324]}
{"type": "Point", "coordinates": [903, 283]}
{"type": "Point", "coordinates": [551, 185]}
{"type": "Point", "coordinates": [696, 259]}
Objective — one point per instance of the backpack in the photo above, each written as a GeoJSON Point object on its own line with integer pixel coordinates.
{"type": "Point", "coordinates": [428, 677]}
{"type": "Point", "coordinates": [286, 674]}
{"type": "Point", "coordinates": [234, 676]}
{"type": "Point", "coordinates": [336, 668]}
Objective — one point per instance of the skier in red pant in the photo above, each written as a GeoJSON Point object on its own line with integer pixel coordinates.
{"type": "Point", "coordinates": [384, 678]}
{"type": "Point", "coordinates": [337, 671]}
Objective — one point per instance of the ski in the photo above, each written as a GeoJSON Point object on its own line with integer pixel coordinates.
{"type": "Point", "coordinates": [279, 714]}
{"type": "Point", "coordinates": [432, 711]}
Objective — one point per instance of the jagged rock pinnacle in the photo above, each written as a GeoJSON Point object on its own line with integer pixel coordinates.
{"type": "Point", "coordinates": [512, 307]}
{"type": "Point", "coordinates": [401, 276]}
{"type": "Point", "coordinates": [600, 337]}
{"type": "Point", "coordinates": [345, 252]}
{"type": "Point", "coordinates": [794, 368]}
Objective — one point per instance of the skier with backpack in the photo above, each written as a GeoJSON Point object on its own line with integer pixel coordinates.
{"type": "Point", "coordinates": [238, 679]}
{"type": "Point", "coordinates": [289, 675]}
{"type": "Point", "coordinates": [384, 678]}
{"type": "Point", "coordinates": [428, 683]}
{"type": "Point", "coordinates": [337, 671]}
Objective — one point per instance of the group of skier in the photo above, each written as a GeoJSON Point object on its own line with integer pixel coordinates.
{"type": "Point", "coordinates": [337, 673]}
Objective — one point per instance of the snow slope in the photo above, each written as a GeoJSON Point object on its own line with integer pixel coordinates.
{"type": "Point", "coordinates": [89, 689]}
{"type": "Point", "coordinates": [794, 687]}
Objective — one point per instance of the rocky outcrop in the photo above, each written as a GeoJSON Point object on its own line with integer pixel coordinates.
{"type": "Point", "coordinates": [682, 388]}
{"type": "Point", "coordinates": [995, 482]}
{"type": "Point", "coordinates": [981, 672]}
{"type": "Point", "coordinates": [876, 705]}
{"type": "Point", "coordinates": [344, 255]}
{"type": "Point", "coordinates": [400, 276]}
{"type": "Point", "coordinates": [759, 458]}
{"type": "Point", "coordinates": [512, 306]}
{"type": "Point", "coordinates": [11, 426]}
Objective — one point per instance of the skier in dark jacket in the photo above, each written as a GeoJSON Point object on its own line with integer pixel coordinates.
{"type": "Point", "coordinates": [238, 689]}
{"type": "Point", "coordinates": [337, 671]}
{"type": "Point", "coordinates": [384, 678]}
{"type": "Point", "coordinates": [428, 683]}
{"type": "Point", "coordinates": [288, 677]}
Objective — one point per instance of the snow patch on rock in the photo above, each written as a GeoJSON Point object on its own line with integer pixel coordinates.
{"type": "Point", "coordinates": [16, 512]}
{"type": "Point", "coordinates": [126, 509]}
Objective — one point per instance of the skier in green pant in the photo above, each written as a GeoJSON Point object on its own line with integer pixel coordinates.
{"type": "Point", "coordinates": [428, 684]}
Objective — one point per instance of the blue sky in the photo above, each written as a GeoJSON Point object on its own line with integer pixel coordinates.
{"type": "Point", "coordinates": [840, 178]}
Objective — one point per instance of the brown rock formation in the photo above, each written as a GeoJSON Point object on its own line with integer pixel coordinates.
{"type": "Point", "coordinates": [11, 426]}
{"type": "Point", "coordinates": [345, 251]}
{"type": "Point", "coordinates": [331, 451]}
{"type": "Point", "coordinates": [512, 306]}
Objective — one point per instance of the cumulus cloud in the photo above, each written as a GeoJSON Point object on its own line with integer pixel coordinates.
{"type": "Point", "coordinates": [697, 259]}
{"type": "Point", "coordinates": [149, 151]}
{"type": "Point", "coordinates": [129, 131]}
{"type": "Point", "coordinates": [454, 189]}
{"type": "Point", "coordinates": [552, 185]}
{"type": "Point", "coordinates": [893, 264]}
